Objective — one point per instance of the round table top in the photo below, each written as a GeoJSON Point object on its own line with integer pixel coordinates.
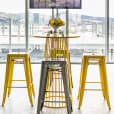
{"type": "Point", "coordinates": [56, 36]}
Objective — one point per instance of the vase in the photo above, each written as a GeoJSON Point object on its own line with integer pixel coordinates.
{"type": "Point", "coordinates": [55, 30]}
{"type": "Point", "coordinates": [55, 27]}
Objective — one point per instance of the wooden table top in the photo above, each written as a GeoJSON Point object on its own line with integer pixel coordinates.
{"type": "Point", "coordinates": [56, 36]}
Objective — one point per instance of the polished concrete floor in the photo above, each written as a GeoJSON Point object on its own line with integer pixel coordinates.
{"type": "Point", "coordinates": [93, 103]}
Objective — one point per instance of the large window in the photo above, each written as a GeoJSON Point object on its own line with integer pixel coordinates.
{"type": "Point", "coordinates": [12, 27]}
{"type": "Point", "coordinates": [111, 32]}
{"type": "Point", "coordinates": [39, 25]}
{"type": "Point", "coordinates": [4, 36]}
{"type": "Point", "coordinates": [88, 22]}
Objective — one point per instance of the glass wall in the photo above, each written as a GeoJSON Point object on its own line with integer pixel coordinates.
{"type": "Point", "coordinates": [88, 23]}
{"type": "Point", "coordinates": [39, 26]}
{"type": "Point", "coordinates": [12, 27]}
{"type": "Point", "coordinates": [4, 36]}
{"type": "Point", "coordinates": [111, 31]}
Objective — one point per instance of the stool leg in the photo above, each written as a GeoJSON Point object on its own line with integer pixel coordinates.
{"type": "Point", "coordinates": [10, 77]}
{"type": "Point", "coordinates": [69, 67]}
{"type": "Point", "coordinates": [106, 84]}
{"type": "Point", "coordinates": [6, 80]}
{"type": "Point", "coordinates": [71, 73]}
{"type": "Point", "coordinates": [28, 81]}
{"type": "Point", "coordinates": [80, 79]}
{"type": "Point", "coordinates": [102, 81]}
{"type": "Point", "coordinates": [31, 78]}
{"type": "Point", "coordinates": [40, 90]}
{"type": "Point", "coordinates": [42, 87]}
{"type": "Point", "coordinates": [67, 92]}
{"type": "Point", "coordinates": [84, 74]}
{"type": "Point", "coordinates": [70, 76]}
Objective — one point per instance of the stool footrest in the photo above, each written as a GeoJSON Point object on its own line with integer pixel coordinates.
{"type": "Point", "coordinates": [93, 89]}
{"type": "Point", "coordinates": [18, 80]}
{"type": "Point", "coordinates": [94, 63]}
{"type": "Point", "coordinates": [93, 82]}
{"type": "Point", "coordinates": [55, 91]}
{"type": "Point", "coordinates": [16, 87]}
{"type": "Point", "coordinates": [55, 70]}
{"type": "Point", "coordinates": [19, 61]}
{"type": "Point", "coordinates": [56, 101]}
{"type": "Point", "coordinates": [57, 78]}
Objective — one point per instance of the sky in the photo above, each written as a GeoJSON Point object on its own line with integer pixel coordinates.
{"type": "Point", "coordinates": [89, 7]}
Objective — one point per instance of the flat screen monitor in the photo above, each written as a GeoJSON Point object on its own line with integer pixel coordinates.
{"type": "Point", "coordinates": [70, 4]}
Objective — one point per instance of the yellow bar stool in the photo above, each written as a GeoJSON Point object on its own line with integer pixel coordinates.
{"type": "Point", "coordinates": [11, 60]}
{"type": "Point", "coordinates": [93, 60]}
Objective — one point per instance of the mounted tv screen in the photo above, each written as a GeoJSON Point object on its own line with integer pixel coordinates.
{"type": "Point", "coordinates": [70, 4]}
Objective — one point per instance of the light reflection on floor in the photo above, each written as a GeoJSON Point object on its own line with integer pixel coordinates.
{"type": "Point", "coordinates": [93, 103]}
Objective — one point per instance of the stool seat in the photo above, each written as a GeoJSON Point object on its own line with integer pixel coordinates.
{"type": "Point", "coordinates": [13, 58]}
{"type": "Point", "coordinates": [93, 60]}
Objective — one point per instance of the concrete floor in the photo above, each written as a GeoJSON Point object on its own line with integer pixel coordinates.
{"type": "Point", "coordinates": [93, 103]}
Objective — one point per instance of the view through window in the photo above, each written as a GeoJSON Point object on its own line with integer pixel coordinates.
{"type": "Point", "coordinates": [13, 10]}
{"type": "Point", "coordinates": [88, 22]}
{"type": "Point", "coordinates": [111, 32]}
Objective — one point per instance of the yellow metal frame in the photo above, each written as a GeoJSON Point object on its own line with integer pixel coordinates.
{"type": "Point", "coordinates": [97, 60]}
{"type": "Point", "coordinates": [57, 47]}
{"type": "Point", "coordinates": [11, 60]}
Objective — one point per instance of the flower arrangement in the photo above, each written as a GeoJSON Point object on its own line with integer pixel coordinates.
{"type": "Point", "coordinates": [56, 23]}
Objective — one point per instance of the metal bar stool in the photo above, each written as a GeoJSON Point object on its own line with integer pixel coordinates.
{"type": "Point", "coordinates": [11, 60]}
{"type": "Point", "coordinates": [93, 60]}
{"type": "Point", "coordinates": [51, 88]}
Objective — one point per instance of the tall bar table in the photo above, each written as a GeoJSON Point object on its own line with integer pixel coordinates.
{"type": "Point", "coordinates": [56, 46]}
